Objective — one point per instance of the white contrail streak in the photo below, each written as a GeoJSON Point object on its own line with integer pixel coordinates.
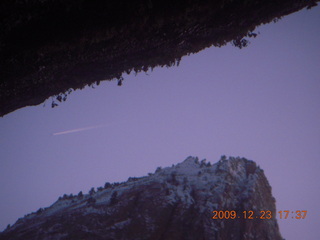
{"type": "Point", "coordinates": [79, 129]}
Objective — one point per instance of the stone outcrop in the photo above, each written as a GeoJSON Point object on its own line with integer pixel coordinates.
{"type": "Point", "coordinates": [52, 47]}
{"type": "Point", "coordinates": [177, 203]}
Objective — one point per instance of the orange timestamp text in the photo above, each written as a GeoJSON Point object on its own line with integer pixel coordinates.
{"type": "Point", "coordinates": [264, 214]}
{"type": "Point", "coordinates": [241, 215]}
{"type": "Point", "coordinates": [298, 214]}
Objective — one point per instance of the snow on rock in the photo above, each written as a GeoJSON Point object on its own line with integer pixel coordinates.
{"type": "Point", "coordinates": [175, 202]}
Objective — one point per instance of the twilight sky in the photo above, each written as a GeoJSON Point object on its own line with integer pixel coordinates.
{"type": "Point", "coordinates": [261, 102]}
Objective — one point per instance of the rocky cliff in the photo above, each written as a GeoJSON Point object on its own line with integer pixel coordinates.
{"type": "Point", "coordinates": [52, 47]}
{"type": "Point", "coordinates": [192, 200]}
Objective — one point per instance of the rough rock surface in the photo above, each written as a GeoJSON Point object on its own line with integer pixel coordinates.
{"type": "Point", "coordinates": [52, 47]}
{"type": "Point", "coordinates": [173, 203]}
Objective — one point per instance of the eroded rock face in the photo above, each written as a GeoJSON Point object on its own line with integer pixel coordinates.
{"type": "Point", "coordinates": [50, 47]}
{"type": "Point", "coordinates": [173, 203]}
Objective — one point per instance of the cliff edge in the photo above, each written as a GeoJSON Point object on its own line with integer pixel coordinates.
{"type": "Point", "coordinates": [230, 199]}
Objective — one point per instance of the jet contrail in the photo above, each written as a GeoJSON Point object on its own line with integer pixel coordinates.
{"type": "Point", "coordinates": [79, 129]}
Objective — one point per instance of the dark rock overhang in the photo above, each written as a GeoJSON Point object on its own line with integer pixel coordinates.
{"type": "Point", "coordinates": [51, 47]}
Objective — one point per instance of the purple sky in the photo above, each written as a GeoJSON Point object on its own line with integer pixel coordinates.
{"type": "Point", "coordinates": [261, 102]}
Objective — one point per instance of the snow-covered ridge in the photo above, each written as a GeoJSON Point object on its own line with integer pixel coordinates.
{"type": "Point", "coordinates": [174, 200]}
{"type": "Point", "coordinates": [200, 174]}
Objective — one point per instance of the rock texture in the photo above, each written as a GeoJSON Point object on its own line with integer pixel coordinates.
{"type": "Point", "coordinates": [52, 47]}
{"type": "Point", "coordinates": [173, 203]}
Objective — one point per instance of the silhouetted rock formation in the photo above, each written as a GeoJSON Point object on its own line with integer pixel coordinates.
{"type": "Point", "coordinates": [49, 47]}
{"type": "Point", "coordinates": [173, 203]}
